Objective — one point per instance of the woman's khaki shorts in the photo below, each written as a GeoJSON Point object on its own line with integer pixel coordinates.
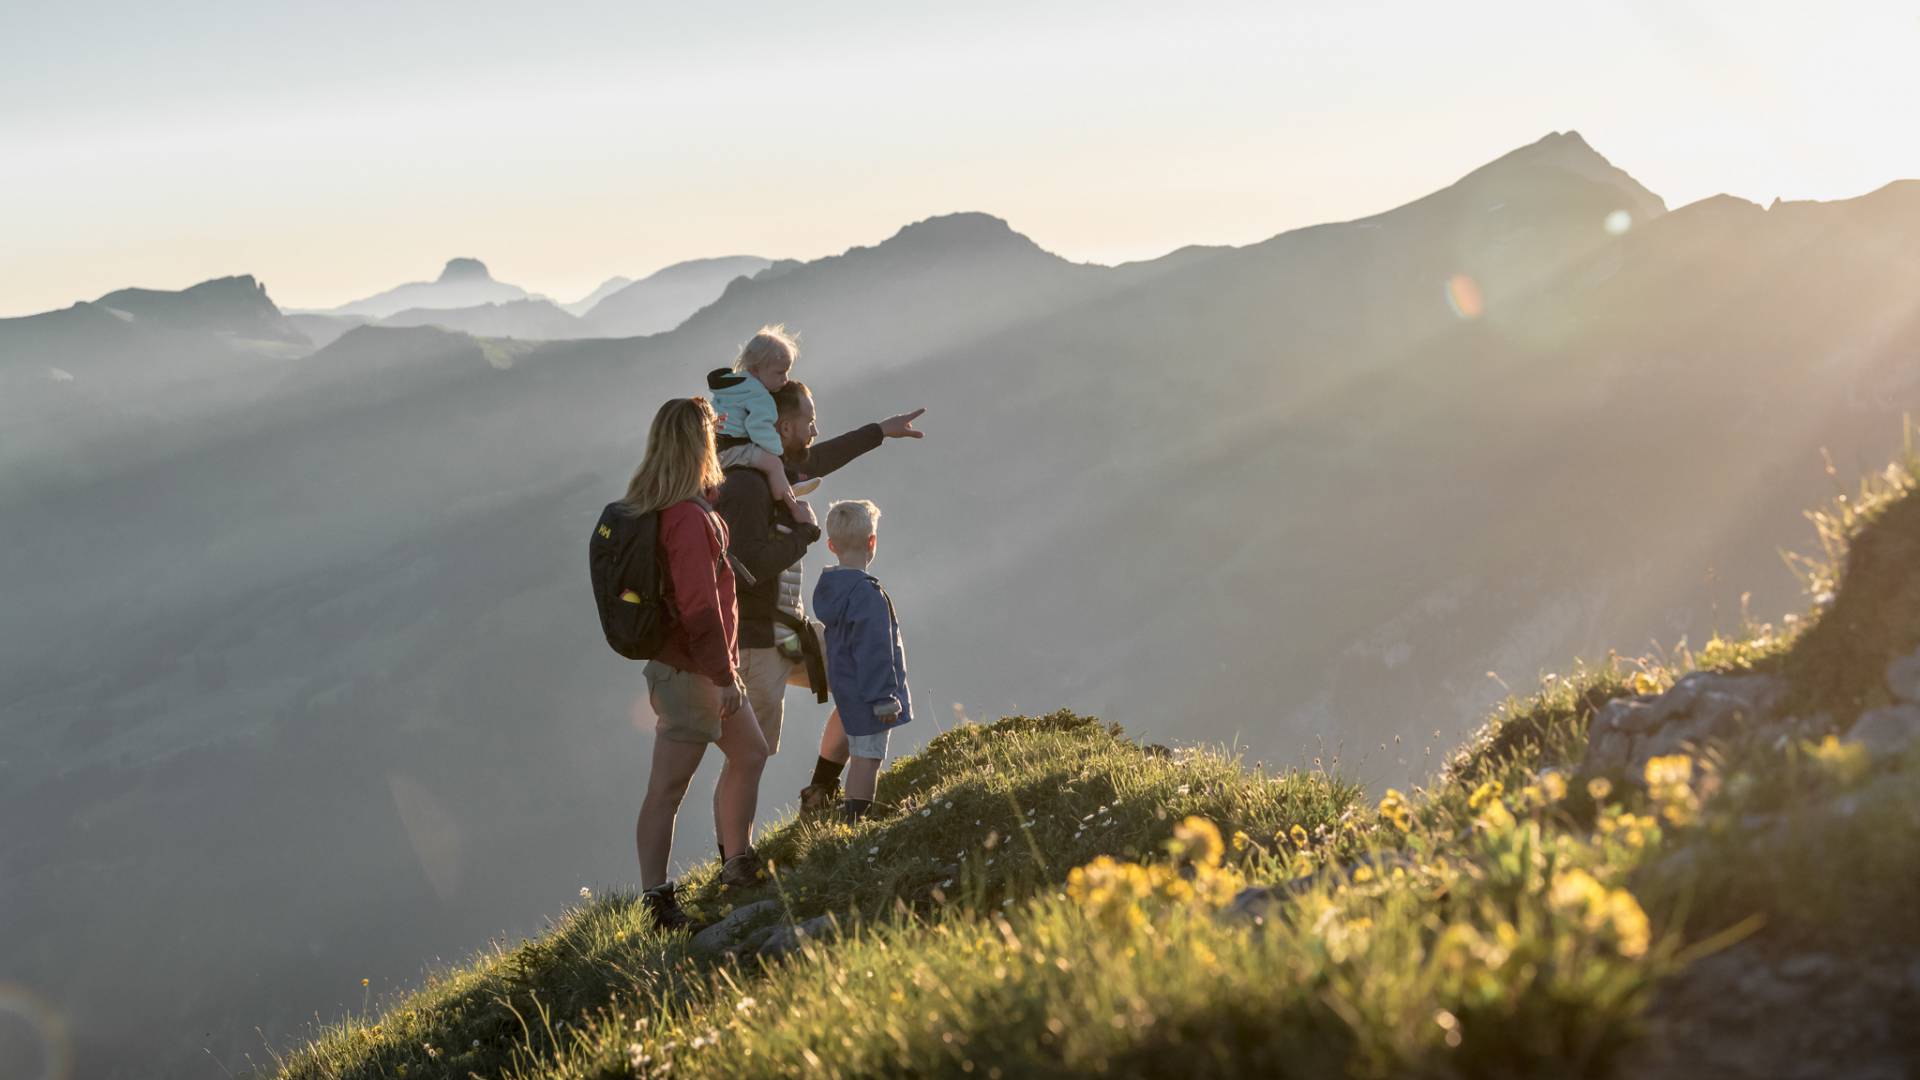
{"type": "Point", "coordinates": [686, 704]}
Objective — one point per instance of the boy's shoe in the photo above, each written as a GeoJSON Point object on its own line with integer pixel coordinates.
{"type": "Point", "coordinates": [806, 487]}
{"type": "Point", "coordinates": [817, 797]}
{"type": "Point", "coordinates": [743, 871]}
{"type": "Point", "coordinates": [660, 903]}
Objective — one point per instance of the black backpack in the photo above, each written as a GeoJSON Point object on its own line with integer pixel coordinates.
{"type": "Point", "coordinates": [633, 596]}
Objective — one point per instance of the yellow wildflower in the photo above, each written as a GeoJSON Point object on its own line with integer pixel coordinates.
{"type": "Point", "coordinates": [1553, 785]}
{"type": "Point", "coordinates": [1645, 682]}
{"type": "Point", "coordinates": [1576, 893]}
{"type": "Point", "coordinates": [1670, 769]}
{"type": "Point", "coordinates": [1362, 875]}
{"type": "Point", "coordinates": [1240, 841]}
{"type": "Point", "coordinates": [1298, 835]}
{"type": "Point", "coordinates": [1198, 840]}
{"type": "Point", "coordinates": [1495, 817]}
{"type": "Point", "coordinates": [1485, 793]}
{"type": "Point", "coordinates": [1670, 782]}
{"type": "Point", "coordinates": [1599, 788]}
{"type": "Point", "coordinates": [1844, 763]}
{"type": "Point", "coordinates": [1630, 927]}
{"type": "Point", "coordinates": [1394, 809]}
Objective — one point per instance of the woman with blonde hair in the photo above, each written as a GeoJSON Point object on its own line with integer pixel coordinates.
{"type": "Point", "coordinates": [694, 682]}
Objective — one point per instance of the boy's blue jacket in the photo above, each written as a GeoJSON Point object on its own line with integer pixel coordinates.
{"type": "Point", "coordinates": [866, 663]}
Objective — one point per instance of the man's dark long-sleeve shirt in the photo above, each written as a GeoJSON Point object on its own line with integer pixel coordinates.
{"type": "Point", "coordinates": [752, 515]}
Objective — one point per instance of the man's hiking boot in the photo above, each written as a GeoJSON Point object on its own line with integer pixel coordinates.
{"type": "Point", "coordinates": [817, 797]}
{"type": "Point", "coordinates": [743, 871]}
{"type": "Point", "coordinates": [660, 903]}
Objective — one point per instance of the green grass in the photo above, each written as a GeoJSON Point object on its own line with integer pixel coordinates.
{"type": "Point", "coordinates": [1043, 896]}
{"type": "Point", "coordinates": [984, 818]}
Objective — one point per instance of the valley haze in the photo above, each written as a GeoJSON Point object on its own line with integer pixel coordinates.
{"type": "Point", "coordinates": [299, 680]}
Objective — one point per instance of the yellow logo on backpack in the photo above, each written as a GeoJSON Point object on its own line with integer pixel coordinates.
{"type": "Point", "coordinates": [605, 533]}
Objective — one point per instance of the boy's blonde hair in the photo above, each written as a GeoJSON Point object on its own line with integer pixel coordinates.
{"type": "Point", "coordinates": [850, 522]}
{"type": "Point", "coordinates": [772, 343]}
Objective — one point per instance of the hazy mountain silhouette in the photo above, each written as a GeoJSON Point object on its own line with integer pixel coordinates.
{"type": "Point", "coordinates": [536, 319]}
{"type": "Point", "coordinates": [663, 300]}
{"type": "Point", "coordinates": [353, 707]}
{"type": "Point", "coordinates": [462, 283]}
{"type": "Point", "coordinates": [605, 289]}
{"type": "Point", "coordinates": [133, 359]}
{"type": "Point", "coordinates": [323, 330]}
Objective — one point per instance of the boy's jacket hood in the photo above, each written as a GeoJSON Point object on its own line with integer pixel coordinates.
{"type": "Point", "coordinates": [836, 589]}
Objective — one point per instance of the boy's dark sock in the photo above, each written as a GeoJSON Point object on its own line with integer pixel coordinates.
{"type": "Point", "coordinates": [827, 773]}
{"type": "Point", "coordinates": [856, 808]}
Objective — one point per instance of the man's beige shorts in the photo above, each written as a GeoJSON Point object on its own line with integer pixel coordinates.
{"type": "Point", "coordinates": [686, 704]}
{"type": "Point", "coordinates": [767, 675]}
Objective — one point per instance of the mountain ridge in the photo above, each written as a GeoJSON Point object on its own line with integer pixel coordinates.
{"type": "Point", "coordinates": [358, 586]}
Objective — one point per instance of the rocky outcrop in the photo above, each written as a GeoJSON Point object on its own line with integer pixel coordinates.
{"type": "Point", "coordinates": [729, 933]}
{"type": "Point", "coordinates": [1701, 708]}
{"type": "Point", "coordinates": [781, 940]}
{"type": "Point", "coordinates": [745, 931]}
{"type": "Point", "coordinates": [1890, 731]}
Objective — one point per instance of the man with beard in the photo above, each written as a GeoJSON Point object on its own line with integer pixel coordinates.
{"type": "Point", "coordinates": [769, 540]}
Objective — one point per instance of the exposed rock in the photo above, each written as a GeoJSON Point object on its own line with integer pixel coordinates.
{"type": "Point", "coordinates": [785, 939]}
{"type": "Point", "coordinates": [1903, 678]}
{"type": "Point", "coordinates": [1252, 906]}
{"type": "Point", "coordinates": [728, 934]}
{"type": "Point", "coordinates": [1701, 707]}
{"type": "Point", "coordinates": [1888, 732]}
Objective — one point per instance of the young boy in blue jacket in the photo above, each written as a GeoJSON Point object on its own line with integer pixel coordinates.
{"type": "Point", "coordinates": [866, 664]}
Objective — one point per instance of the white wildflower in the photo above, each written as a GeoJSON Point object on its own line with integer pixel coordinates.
{"type": "Point", "coordinates": [586, 893]}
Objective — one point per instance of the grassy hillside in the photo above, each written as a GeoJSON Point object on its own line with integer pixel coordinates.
{"type": "Point", "coordinates": [1046, 897]}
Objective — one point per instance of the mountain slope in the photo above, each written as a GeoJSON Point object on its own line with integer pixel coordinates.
{"type": "Point", "coordinates": [663, 299]}
{"type": "Point", "coordinates": [601, 292]}
{"type": "Point", "coordinates": [133, 361]}
{"type": "Point", "coordinates": [1526, 916]}
{"type": "Point", "coordinates": [1288, 496]}
{"type": "Point", "coordinates": [526, 319]}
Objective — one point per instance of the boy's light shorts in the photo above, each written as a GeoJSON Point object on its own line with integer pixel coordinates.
{"type": "Point", "coordinates": [872, 746]}
{"type": "Point", "coordinates": [687, 704]}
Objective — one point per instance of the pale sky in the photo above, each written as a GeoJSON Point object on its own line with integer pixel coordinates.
{"type": "Point", "coordinates": [335, 150]}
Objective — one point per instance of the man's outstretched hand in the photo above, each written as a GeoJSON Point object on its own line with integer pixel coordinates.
{"type": "Point", "coordinates": [901, 427]}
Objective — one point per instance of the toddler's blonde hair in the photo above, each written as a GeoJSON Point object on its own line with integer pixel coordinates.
{"type": "Point", "coordinates": [850, 522]}
{"type": "Point", "coordinates": [765, 347]}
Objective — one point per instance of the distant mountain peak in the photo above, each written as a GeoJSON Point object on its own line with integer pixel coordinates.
{"type": "Point", "coordinates": [968, 230]}
{"type": "Point", "coordinates": [1569, 152]}
{"type": "Point", "coordinates": [967, 224]}
{"type": "Point", "coordinates": [465, 269]}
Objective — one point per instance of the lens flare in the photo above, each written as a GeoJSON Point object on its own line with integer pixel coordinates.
{"type": "Point", "coordinates": [1463, 296]}
{"type": "Point", "coordinates": [1618, 222]}
{"type": "Point", "coordinates": [46, 1045]}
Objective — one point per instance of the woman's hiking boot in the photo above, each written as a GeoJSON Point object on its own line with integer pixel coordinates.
{"type": "Point", "coordinates": [817, 797]}
{"type": "Point", "coordinates": [661, 903]}
{"type": "Point", "coordinates": [743, 871]}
